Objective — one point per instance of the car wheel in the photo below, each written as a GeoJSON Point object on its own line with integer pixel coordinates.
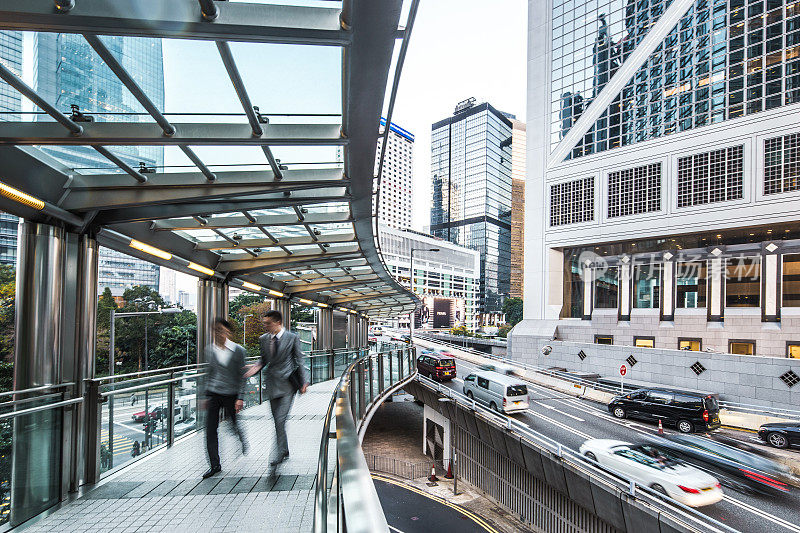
{"type": "Point", "coordinates": [777, 440]}
{"type": "Point", "coordinates": [493, 407]}
{"type": "Point", "coordinates": [658, 488]}
{"type": "Point", "coordinates": [591, 456]}
{"type": "Point", "coordinates": [619, 412]}
{"type": "Point", "coordinates": [469, 394]}
{"type": "Point", "coordinates": [684, 426]}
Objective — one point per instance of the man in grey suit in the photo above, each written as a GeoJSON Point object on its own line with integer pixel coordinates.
{"type": "Point", "coordinates": [282, 356]}
{"type": "Point", "coordinates": [225, 384]}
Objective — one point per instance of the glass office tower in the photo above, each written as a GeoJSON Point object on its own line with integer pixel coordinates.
{"type": "Point", "coordinates": [471, 172]}
{"type": "Point", "coordinates": [10, 106]}
{"type": "Point", "coordinates": [64, 83]}
{"type": "Point", "coordinates": [672, 221]}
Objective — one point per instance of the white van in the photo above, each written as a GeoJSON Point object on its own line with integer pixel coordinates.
{"type": "Point", "coordinates": [501, 393]}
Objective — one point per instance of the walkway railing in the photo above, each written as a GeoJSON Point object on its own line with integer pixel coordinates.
{"type": "Point", "coordinates": [126, 417]}
{"type": "Point", "coordinates": [349, 502]}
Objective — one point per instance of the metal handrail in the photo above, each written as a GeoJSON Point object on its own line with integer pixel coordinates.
{"type": "Point", "coordinates": [563, 452]}
{"type": "Point", "coordinates": [14, 414]}
{"type": "Point", "coordinates": [37, 389]}
{"type": "Point", "coordinates": [143, 386]}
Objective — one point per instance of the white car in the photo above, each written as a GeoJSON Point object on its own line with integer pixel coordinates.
{"type": "Point", "coordinates": [648, 466]}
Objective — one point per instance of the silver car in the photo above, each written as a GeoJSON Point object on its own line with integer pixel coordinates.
{"type": "Point", "coordinates": [500, 393]}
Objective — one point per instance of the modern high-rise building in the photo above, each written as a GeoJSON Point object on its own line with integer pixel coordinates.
{"type": "Point", "coordinates": [518, 142]}
{"type": "Point", "coordinates": [395, 195]}
{"type": "Point", "coordinates": [663, 175]}
{"type": "Point", "coordinates": [86, 82]}
{"type": "Point", "coordinates": [10, 106]}
{"type": "Point", "coordinates": [447, 281]}
{"type": "Point", "coordinates": [471, 173]}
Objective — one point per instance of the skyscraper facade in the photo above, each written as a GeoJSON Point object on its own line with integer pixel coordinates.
{"type": "Point", "coordinates": [471, 173]}
{"type": "Point", "coordinates": [661, 207]}
{"type": "Point", "coordinates": [395, 194]}
{"type": "Point", "coordinates": [518, 143]}
{"type": "Point", "coordinates": [86, 82]}
{"type": "Point", "coordinates": [10, 106]}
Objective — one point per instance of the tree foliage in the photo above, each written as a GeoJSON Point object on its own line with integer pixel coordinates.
{"type": "Point", "coordinates": [512, 308]}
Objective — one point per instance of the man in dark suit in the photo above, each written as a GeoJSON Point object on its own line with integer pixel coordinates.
{"type": "Point", "coordinates": [282, 357]}
{"type": "Point", "coordinates": [225, 385]}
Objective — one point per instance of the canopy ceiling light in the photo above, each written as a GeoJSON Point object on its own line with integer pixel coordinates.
{"type": "Point", "coordinates": [152, 250]}
{"type": "Point", "coordinates": [18, 196]}
{"type": "Point", "coordinates": [200, 268]}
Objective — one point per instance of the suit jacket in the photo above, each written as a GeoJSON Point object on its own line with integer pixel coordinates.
{"type": "Point", "coordinates": [226, 379]}
{"type": "Point", "coordinates": [279, 366]}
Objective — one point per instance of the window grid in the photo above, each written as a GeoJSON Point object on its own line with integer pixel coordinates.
{"type": "Point", "coordinates": [711, 177]}
{"type": "Point", "coordinates": [572, 202]}
{"type": "Point", "coordinates": [634, 191]}
{"type": "Point", "coordinates": [782, 164]}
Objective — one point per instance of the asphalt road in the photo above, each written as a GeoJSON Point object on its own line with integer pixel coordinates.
{"type": "Point", "coordinates": [408, 510]}
{"type": "Point", "coordinates": [571, 421]}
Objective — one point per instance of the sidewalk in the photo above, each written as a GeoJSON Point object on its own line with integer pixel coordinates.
{"type": "Point", "coordinates": [165, 491]}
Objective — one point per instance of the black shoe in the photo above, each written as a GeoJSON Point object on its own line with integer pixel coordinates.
{"type": "Point", "coordinates": [276, 462]}
{"type": "Point", "coordinates": [211, 471]}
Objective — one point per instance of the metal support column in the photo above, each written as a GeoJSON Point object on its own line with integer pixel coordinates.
{"type": "Point", "coordinates": [284, 307]}
{"type": "Point", "coordinates": [325, 329]}
{"type": "Point", "coordinates": [212, 303]}
{"type": "Point", "coordinates": [352, 328]}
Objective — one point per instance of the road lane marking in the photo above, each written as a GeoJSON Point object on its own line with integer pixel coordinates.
{"type": "Point", "coordinates": [560, 411]}
{"type": "Point", "coordinates": [772, 518]}
{"type": "Point", "coordinates": [395, 529]}
{"type": "Point", "coordinates": [559, 424]}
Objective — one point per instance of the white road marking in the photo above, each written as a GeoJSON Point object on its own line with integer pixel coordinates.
{"type": "Point", "coordinates": [772, 518]}
{"type": "Point", "coordinates": [560, 411]}
{"type": "Point", "coordinates": [395, 529]}
{"type": "Point", "coordinates": [559, 424]}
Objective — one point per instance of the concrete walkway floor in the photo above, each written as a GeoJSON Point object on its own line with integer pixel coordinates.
{"type": "Point", "coordinates": [165, 491]}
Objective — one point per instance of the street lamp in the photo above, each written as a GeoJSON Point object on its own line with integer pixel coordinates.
{"type": "Point", "coordinates": [411, 279]}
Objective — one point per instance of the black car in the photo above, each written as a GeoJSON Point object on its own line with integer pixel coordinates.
{"type": "Point", "coordinates": [686, 411]}
{"type": "Point", "coordinates": [780, 434]}
{"type": "Point", "coordinates": [735, 468]}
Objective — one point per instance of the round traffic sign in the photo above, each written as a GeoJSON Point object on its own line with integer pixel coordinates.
{"type": "Point", "coordinates": [623, 370]}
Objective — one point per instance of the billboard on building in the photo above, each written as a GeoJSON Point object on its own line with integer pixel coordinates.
{"type": "Point", "coordinates": [440, 313]}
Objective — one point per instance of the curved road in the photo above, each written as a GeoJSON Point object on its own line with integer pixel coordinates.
{"type": "Point", "coordinates": [571, 421]}
{"type": "Point", "coordinates": [410, 510]}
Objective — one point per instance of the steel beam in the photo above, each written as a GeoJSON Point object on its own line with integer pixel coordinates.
{"type": "Point", "coordinates": [352, 299]}
{"type": "Point", "coordinates": [651, 41]}
{"type": "Point", "coordinates": [270, 243]}
{"type": "Point", "coordinates": [322, 287]}
{"type": "Point", "coordinates": [150, 134]}
{"type": "Point", "coordinates": [180, 19]}
{"type": "Point", "coordinates": [155, 212]}
{"type": "Point", "coordinates": [236, 221]}
{"type": "Point", "coordinates": [253, 266]}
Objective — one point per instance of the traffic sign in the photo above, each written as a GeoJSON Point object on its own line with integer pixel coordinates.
{"type": "Point", "coordinates": [623, 370]}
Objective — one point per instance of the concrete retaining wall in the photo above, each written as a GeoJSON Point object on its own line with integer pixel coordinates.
{"type": "Point", "coordinates": [736, 378]}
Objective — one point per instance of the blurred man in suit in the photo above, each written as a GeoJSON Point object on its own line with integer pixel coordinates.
{"type": "Point", "coordinates": [285, 375]}
{"type": "Point", "coordinates": [225, 385]}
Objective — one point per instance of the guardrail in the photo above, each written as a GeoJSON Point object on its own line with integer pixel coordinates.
{"type": "Point", "coordinates": [789, 414]}
{"type": "Point", "coordinates": [350, 503]}
{"type": "Point", "coordinates": [678, 512]}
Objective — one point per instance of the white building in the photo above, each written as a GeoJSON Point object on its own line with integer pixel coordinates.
{"type": "Point", "coordinates": [395, 194]}
{"type": "Point", "coordinates": [662, 175]}
{"type": "Point", "coordinates": [167, 285]}
{"type": "Point", "coordinates": [447, 281]}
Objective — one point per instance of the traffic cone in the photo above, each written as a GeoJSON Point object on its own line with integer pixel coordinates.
{"type": "Point", "coordinates": [449, 474]}
{"type": "Point", "coordinates": [660, 428]}
{"type": "Point", "coordinates": [433, 477]}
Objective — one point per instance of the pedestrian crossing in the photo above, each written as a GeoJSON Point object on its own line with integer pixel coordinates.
{"type": "Point", "coordinates": [122, 444]}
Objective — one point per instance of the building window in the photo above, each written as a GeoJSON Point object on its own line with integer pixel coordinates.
{"type": "Point", "coordinates": [573, 288]}
{"type": "Point", "coordinates": [603, 339]}
{"type": "Point", "coordinates": [606, 288]}
{"type": "Point", "coordinates": [644, 342]}
{"type": "Point", "coordinates": [572, 202]}
{"type": "Point", "coordinates": [743, 282]}
{"type": "Point", "coordinates": [782, 164]}
{"type": "Point", "coordinates": [793, 350]}
{"type": "Point", "coordinates": [739, 347]}
{"type": "Point", "coordinates": [646, 286]}
{"type": "Point", "coordinates": [691, 345]}
{"type": "Point", "coordinates": [690, 289]}
{"type": "Point", "coordinates": [711, 177]}
{"type": "Point", "coordinates": [791, 280]}
{"type": "Point", "coordinates": [634, 191]}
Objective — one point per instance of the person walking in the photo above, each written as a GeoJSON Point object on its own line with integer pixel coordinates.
{"type": "Point", "coordinates": [285, 376]}
{"type": "Point", "coordinates": [225, 384]}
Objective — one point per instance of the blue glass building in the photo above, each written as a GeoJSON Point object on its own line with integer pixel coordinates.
{"type": "Point", "coordinates": [10, 106]}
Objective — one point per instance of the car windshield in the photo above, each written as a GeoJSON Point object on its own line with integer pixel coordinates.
{"type": "Point", "coordinates": [517, 390]}
{"type": "Point", "coordinates": [447, 362]}
{"type": "Point", "coordinates": [649, 456]}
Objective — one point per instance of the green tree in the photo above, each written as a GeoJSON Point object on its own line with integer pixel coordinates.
{"type": "Point", "coordinates": [301, 313]}
{"type": "Point", "coordinates": [8, 290]}
{"type": "Point", "coordinates": [245, 299]}
{"type": "Point", "coordinates": [512, 308]}
{"type": "Point", "coordinates": [105, 304]}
